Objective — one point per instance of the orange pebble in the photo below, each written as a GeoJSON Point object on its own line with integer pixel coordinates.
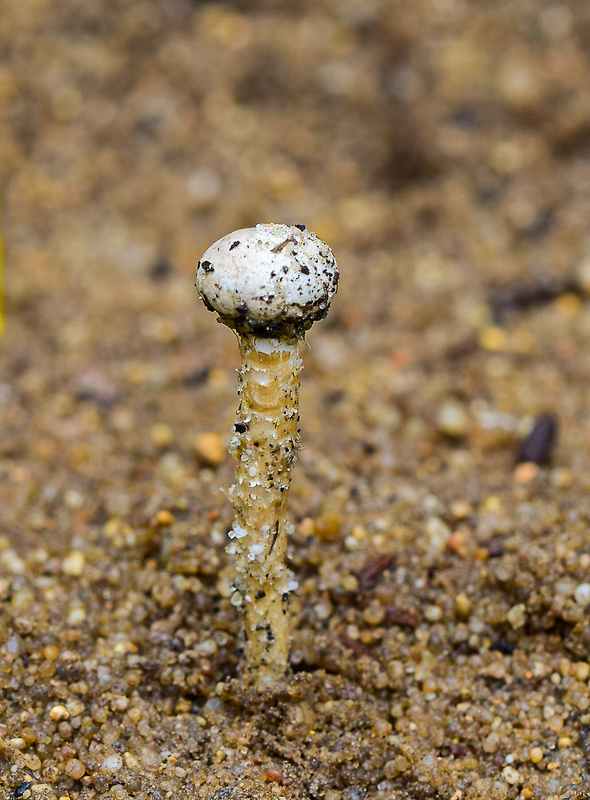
{"type": "Point", "coordinates": [163, 518]}
{"type": "Point", "coordinates": [526, 472]}
{"type": "Point", "coordinates": [456, 543]}
{"type": "Point", "coordinates": [274, 775]}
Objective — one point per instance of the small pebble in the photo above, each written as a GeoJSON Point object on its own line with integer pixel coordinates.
{"type": "Point", "coordinates": [112, 763]}
{"type": "Point", "coordinates": [73, 498]}
{"type": "Point", "coordinates": [461, 509]}
{"type": "Point", "coordinates": [123, 648]}
{"type": "Point", "coordinates": [17, 742]}
{"type": "Point", "coordinates": [130, 761]}
{"type": "Point", "coordinates": [525, 473]}
{"type": "Point", "coordinates": [511, 775]}
{"type": "Point", "coordinates": [516, 616]}
{"type": "Point", "coordinates": [209, 449]}
{"type": "Point", "coordinates": [76, 616]}
{"type": "Point", "coordinates": [43, 791]}
{"type": "Point", "coordinates": [452, 420]}
{"type": "Point", "coordinates": [492, 338]}
{"type": "Point", "coordinates": [457, 543]}
{"type": "Point", "coordinates": [274, 775]}
{"type": "Point", "coordinates": [327, 527]}
{"type": "Point", "coordinates": [536, 754]}
{"type": "Point", "coordinates": [520, 86]}
{"type": "Point", "coordinates": [374, 613]}
{"type": "Point", "coordinates": [433, 613]}
{"type": "Point", "coordinates": [65, 730]}
{"type": "Point", "coordinates": [12, 562]}
{"type": "Point", "coordinates": [50, 652]}
{"type": "Point", "coordinates": [75, 769]}
{"type": "Point", "coordinates": [350, 583]}
{"type": "Point", "coordinates": [149, 758]}
{"type": "Point", "coordinates": [204, 186]}
{"type": "Point", "coordinates": [163, 518]}
{"type": "Point", "coordinates": [73, 564]}
{"type": "Point", "coordinates": [462, 605]}
{"type": "Point", "coordinates": [58, 713]}
{"type": "Point", "coordinates": [119, 703]}
{"type": "Point", "coordinates": [582, 594]}
{"type": "Point", "coordinates": [538, 445]}
{"type": "Point", "coordinates": [438, 533]}
{"type": "Point", "coordinates": [561, 477]}
{"type": "Point", "coordinates": [322, 610]}
{"type": "Point", "coordinates": [161, 435]}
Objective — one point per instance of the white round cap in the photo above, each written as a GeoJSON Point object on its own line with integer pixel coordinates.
{"type": "Point", "coordinates": [269, 280]}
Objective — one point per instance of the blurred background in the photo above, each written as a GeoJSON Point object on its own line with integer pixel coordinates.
{"type": "Point", "coordinates": [440, 147]}
{"type": "Point", "coordinates": [135, 132]}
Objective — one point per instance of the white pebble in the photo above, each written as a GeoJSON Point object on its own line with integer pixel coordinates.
{"type": "Point", "coordinates": [204, 186]}
{"type": "Point", "coordinates": [438, 533]}
{"type": "Point", "coordinates": [112, 763]}
{"type": "Point", "coordinates": [452, 420]}
{"type": "Point", "coordinates": [433, 613]}
{"type": "Point", "coordinates": [511, 775]}
{"type": "Point", "coordinates": [516, 616]}
{"type": "Point", "coordinates": [76, 616]}
{"type": "Point", "coordinates": [582, 594]}
{"type": "Point", "coordinates": [149, 757]}
{"type": "Point", "coordinates": [74, 563]}
{"type": "Point", "coordinates": [12, 562]}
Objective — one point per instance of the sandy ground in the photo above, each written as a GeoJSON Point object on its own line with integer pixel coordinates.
{"type": "Point", "coordinates": [440, 643]}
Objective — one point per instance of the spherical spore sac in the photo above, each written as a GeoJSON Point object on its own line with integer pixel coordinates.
{"type": "Point", "coordinates": [271, 280]}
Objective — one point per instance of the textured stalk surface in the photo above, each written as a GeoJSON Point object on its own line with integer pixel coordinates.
{"type": "Point", "coordinates": [265, 443]}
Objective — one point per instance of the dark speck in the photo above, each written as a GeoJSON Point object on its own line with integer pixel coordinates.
{"type": "Point", "coordinates": [305, 270]}
{"type": "Point", "coordinates": [160, 270]}
{"type": "Point", "coordinates": [495, 547]}
{"type": "Point", "coordinates": [538, 445]}
{"type": "Point", "coordinates": [234, 245]}
{"type": "Point", "coordinates": [541, 224]}
{"type": "Point", "coordinates": [196, 376]}
{"type": "Point", "coordinates": [240, 427]}
{"type": "Point", "coordinates": [242, 308]}
{"type": "Point", "coordinates": [465, 116]}
{"type": "Point", "coordinates": [282, 245]}
{"type": "Point", "coordinates": [501, 645]}
{"type": "Point", "coordinates": [301, 227]}
{"type": "Point", "coordinates": [206, 266]}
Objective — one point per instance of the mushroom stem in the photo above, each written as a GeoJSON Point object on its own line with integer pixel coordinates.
{"type": "Point", "coordinates": [269, 284]}
{"type": "Point", "coordinates": [265, 442]}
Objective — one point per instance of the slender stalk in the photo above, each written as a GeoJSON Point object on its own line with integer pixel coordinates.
{"type": "Point", "coordinates": [269, 284]}
{"type": "Point", "coordinates": [264, 444]}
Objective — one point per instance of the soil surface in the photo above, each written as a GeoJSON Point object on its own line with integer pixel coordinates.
{"type": "Point", "coordinates": [441, 630]}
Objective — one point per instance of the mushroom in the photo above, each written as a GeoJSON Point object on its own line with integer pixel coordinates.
{"type": "Point", "coordinates": [269, 284]}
